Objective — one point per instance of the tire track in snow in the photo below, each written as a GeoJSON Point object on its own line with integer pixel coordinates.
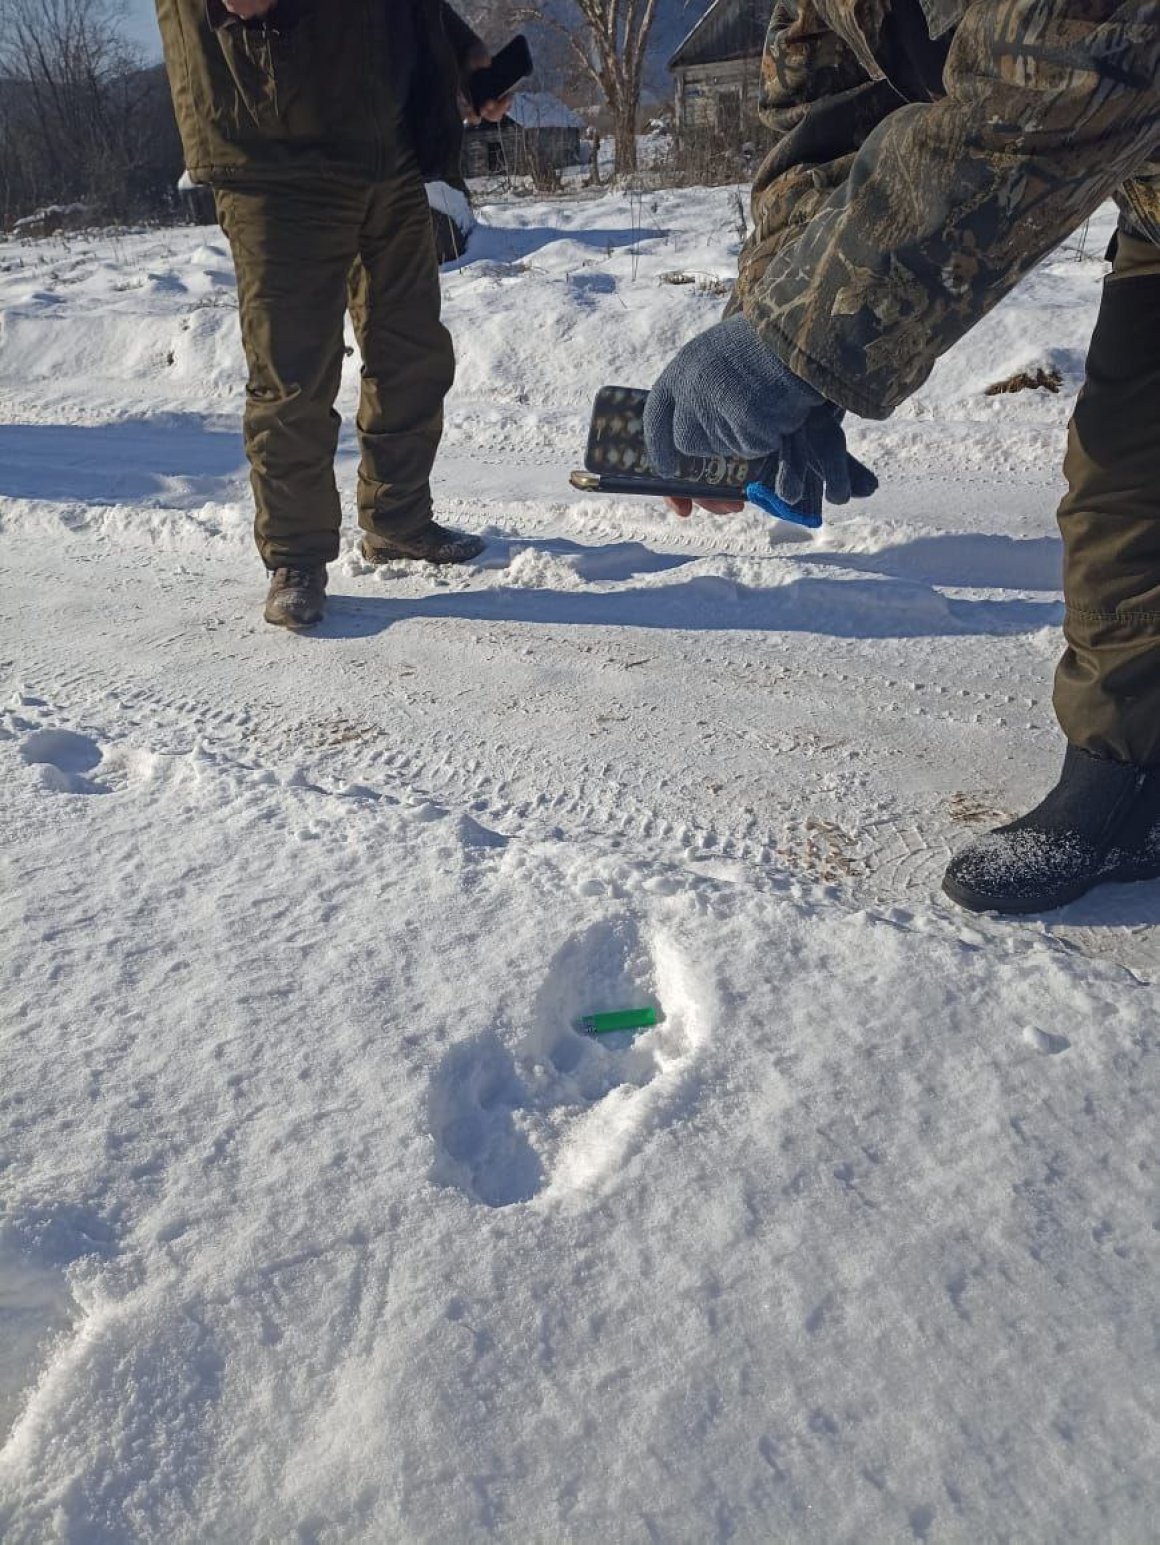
{"type": "Point", "coordinates": [889, 859]}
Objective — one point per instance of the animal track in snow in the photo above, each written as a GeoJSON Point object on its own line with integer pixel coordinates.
{"type": "Point", "coordinates": [558, 1112]}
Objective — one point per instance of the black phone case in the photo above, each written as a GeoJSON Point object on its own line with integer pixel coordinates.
{"type": "Point", "coordinates": [617, 457]}
{"type": "Point", "coordinates": [506, 69]}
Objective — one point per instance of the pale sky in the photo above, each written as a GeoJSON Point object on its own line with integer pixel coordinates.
{"type": "Point", "coordinates": [141, 25]}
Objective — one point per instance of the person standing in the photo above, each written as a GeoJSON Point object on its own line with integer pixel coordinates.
{"type": "Point", "coordinates": [315, 123]}
{"type": "Point", "coordinates": [928, 154]}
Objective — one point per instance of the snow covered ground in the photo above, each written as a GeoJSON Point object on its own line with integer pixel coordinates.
{"type": "Point", "coordinates": [319, 1219]}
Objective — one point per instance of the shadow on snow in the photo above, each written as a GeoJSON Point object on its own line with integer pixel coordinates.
{"type": "Point", "coordinates": [973, 560]}
{"type": "Point", "coordinates": [836, 608]}
{"type": "Point", "coordinates": [114, 463]}
{"type": "Point", "coordinates": [508, 244]}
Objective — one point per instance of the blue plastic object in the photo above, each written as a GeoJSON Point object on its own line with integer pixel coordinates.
{"type": "Point", "coordinates": [765, 499]}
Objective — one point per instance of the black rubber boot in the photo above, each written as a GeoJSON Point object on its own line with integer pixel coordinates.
{"type": "Point", "coordinates": [433, 544]}
{"type": "Point", "coordinates": [296, 598]}
{"type": "Point", "coordinates": [1101, 822]}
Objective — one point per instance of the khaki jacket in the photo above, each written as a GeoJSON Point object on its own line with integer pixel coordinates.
{"type": "Point", "coordinates": [314, 85]}
{"type": "Point", "coordinates": [928, 154]}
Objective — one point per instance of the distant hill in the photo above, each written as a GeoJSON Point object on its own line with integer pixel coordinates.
{"type": "Point", "coordinates": [117, 152]}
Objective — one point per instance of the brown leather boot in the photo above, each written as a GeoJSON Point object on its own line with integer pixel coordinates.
{"type": "Point", "coordinates": [433, 544]}
{"type": "Point", "coordinates": [297, 597]}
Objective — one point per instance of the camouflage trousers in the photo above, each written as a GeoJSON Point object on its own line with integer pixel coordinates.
{"type": "Point", "coordinates": [1107, 685]}
{"type": "Point", "coordinates": [306, 252]}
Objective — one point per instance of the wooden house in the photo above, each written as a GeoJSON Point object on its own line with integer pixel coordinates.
{"type": "Point", "coordinates": [538, 136]}
{"type": "Point", "coordinates": [717, 71]}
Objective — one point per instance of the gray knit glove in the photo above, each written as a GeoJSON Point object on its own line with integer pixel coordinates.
{"type": "Point", "coordinates": [726, 394]}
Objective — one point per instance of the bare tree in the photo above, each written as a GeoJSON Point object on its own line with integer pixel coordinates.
{"type": "Point", "coordinates": [78, 114]}
{"type": "Point", "coordinates": [609, 51]}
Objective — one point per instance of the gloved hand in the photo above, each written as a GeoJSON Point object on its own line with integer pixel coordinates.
{"type": "Point", "coordinates": [726, 394]}
{"type": "Point", "coordinates": [816, 454]}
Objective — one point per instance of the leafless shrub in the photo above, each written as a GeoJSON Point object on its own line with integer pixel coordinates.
{"type": "Point", "coordinates": [81, 121]}
{"type": "Point", "coordinates": [608, 50]}
{"type": "Point", "coordinates": [705, 158]}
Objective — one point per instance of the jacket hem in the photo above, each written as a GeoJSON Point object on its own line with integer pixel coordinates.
{"type": "Point", "coordinates": [283, 171]}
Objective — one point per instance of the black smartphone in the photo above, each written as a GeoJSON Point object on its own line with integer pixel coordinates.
{"type": "Point", "coordinates": [509, 66]}
{"type": "Point", "coordinates": [616, 461]}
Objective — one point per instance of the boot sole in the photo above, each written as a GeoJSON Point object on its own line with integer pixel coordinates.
{"type": "Point", "coordinates": [976, 901]}
{"type": "Point", "coordinates": [385, 557]}
{"type": "Point", "coordinates": [294, 627]}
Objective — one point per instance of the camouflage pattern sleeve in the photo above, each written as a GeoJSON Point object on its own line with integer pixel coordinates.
{"type": "Point", "coordinates": [820, 102]}
{"type": "Point", "coordinates": [1139, 201]}
{"type": "Point", "coordinates": [862, 282]}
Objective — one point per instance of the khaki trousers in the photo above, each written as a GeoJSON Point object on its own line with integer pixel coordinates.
{"type": "Point", "coordinates": [305, 253]}
{"type": "Point", "coordinates": [1107, 685]}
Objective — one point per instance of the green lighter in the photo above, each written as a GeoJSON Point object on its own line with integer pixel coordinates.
{"type": "Point", "coordinates": [621, 1019]}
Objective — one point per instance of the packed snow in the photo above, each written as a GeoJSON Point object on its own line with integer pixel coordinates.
{"type": "Point", "coordinates": [320, 1219]}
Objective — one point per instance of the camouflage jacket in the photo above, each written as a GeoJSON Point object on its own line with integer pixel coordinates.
{"type": "Point", "coordinates": [929, 153]}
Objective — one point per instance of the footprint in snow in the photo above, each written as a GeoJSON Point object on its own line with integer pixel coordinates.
{"type": "Point", "coordinates": [67, 762]}
{"type": "Point", "coordinates": [555, 1111]}
{"type": "Point", "coordinates": [1044, 1042]}
{"type": "Point", "coordinates": [37, 1309]}
{"type": "Point", "coordinates": [63, 759]}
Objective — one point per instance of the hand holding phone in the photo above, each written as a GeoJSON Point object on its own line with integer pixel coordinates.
{"type": "Point", "coordinates": [507, 68]}
{"type": "Point", "coordinates": [616, 462]}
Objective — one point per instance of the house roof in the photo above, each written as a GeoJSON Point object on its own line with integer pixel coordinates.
{"type": "Point", "coordinates": [729, 29]}
{"type": "Point", "coordinates": [541, 110]}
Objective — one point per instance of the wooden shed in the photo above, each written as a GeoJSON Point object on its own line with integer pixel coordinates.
{"type": "Point", "coordinates": [539, 135]}
{"type": "Point", "coordinates": [717, 70]}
